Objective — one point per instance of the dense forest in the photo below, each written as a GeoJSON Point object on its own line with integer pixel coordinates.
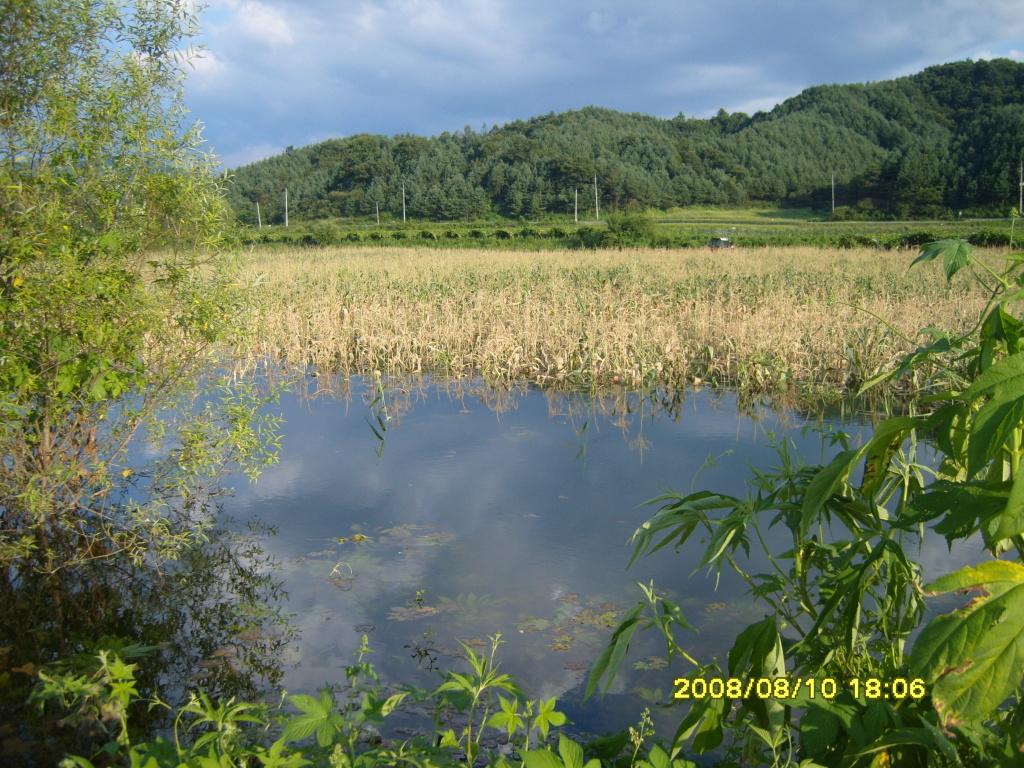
{"type": "Point", "coordinates": [950, 138]}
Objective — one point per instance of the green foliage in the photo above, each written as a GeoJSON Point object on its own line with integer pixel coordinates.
{"type": "Point", "coordinates": [973, 654]}
{"type": "Point", "coordinates": [631, 230]}
{"type": "Point", "coordinates": [115, 309]}
{"type": "Point", "coordinates": [111, 299]}
{"type": "Point", "coordinates": [844, 608]}
{"type": "Point", "coordinates": [322, 233]}
{"type": "Point", "coordinates": [943, 140]}
{"type": "Point", "coordinates": [325, 732]}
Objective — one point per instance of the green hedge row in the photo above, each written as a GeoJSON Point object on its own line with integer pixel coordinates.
{"type": "Point", "coordinates": [612, 236]}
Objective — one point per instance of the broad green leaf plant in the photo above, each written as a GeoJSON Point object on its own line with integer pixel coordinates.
{"type": "Point", "coordinates": [859, 674]}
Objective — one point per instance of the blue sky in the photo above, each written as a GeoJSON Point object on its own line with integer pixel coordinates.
{"type": "Point", "coordinates": [294, 72]}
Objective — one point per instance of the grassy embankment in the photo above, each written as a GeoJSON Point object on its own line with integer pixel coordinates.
{"type": "Point", "coordinates": [774, 319]}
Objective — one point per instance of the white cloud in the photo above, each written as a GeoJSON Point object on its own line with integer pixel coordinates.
{"type": "Point", "coordinates": [280, 72]}
{"type": "Point", "coordinates": [1016, 55]}
{"type": "Point", "coordinates": [249, 154]}
{"type": "Point", "coordinates": [206, 70]}
{"type": "Point", "coordinates": [261, 22]}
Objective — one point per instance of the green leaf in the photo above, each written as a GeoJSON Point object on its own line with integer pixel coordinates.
{"type": "Point", "coordinates": [657, 757]}
{"type": "Point", "coordinates": [973, 658]}
{"type": "Point", "coordinates": [703, 723]}
{"type": "Point", "coordinates": [757, 653]}
{"type": "Point", "coordinates": [611, 657]}
{"type": "Point", "coordinates": [818, 729]}
{"type": "Point", "coordinates": [301, 727]}
{"type": "Point", "coordinates": [940, 345]}
{"type": "Point", "coordinates": [309, 704]}
{"type": "Point", "coordinates": [449, 739]}
{"type": "Point", "coordinates": [683, 516]}
{"type": "Point", "coordinates": [541, 758]}
{"type": "Point", "coordinates": [1006, 376]}
{"type": "Point", "coordinates": [548, 716]}
{"type": "Point", "coordinates": [962, 506]}
{"type": "Point", "coordinates": [1009, 521]}
{"type": "Point", "coordinates": [956, 254]}
{"type": "Point", "coordinates": [888, 437]}
{"type": "Point", "coordinates": [990, 430]}
{"type": "Point", "coordinates": [571, 752]}
{"type": "Point", "coordinates": [826, 482]}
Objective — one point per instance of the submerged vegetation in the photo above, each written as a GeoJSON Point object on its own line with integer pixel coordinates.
{"type": "Point", "coordinates": [788, 321]}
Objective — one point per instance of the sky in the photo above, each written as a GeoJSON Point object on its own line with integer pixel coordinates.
{"type": "Point", "coordinates": [279, 73]}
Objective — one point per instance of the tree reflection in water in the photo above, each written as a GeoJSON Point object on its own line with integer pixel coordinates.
{"type": "Point", "coordinates": [205, 617]}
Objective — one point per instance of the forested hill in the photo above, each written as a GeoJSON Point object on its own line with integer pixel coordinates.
{"type": "Point", "coordinates": [948, 138]}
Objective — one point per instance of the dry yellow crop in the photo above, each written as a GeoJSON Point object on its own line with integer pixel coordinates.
{"type": "Point", "coordinates": [761, 319]}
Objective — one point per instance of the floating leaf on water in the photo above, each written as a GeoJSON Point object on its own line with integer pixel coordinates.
{"type": "Point", "coordinates": [651, 662]}
{"type": "Point", "coordinates": [250, 635]}
{"type": "Point", "coordinates": [575, 666]}
{"type": "Point", "coordinates": [715, 607]}
{"type": "Point", "coordinates": [533, 625]}
{"type": "Point", "coordinates": [569, 598]}
{"type": "Point", "coordinates": [477, 642]}
{"type": "Point", "coordinates": [404, 530]}
{"type": "Point", "coordinates": [210, 664]}
{"type": "Point", "coordinates": [321, 553]}
{"type": "Point", "coordinates": [364, 628]}
{"type": "Point", "coordinates": [559, 646]}
{"type": "Point", "coordinates": [342, 582]}
{"type": "Point", "coordinates": [592, 619]}
{"type": "Point", "coordinates": [407, 612]}
{"type": "Point", "coordinates": [221, 653]}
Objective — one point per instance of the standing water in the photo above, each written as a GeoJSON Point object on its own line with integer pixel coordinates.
{"type": "Point", "coordinates": [425, 516]}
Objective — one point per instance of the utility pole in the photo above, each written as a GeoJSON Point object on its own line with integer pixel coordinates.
{"type": "Point", "coordinates": [403, 202]}
{"type": "Point", "coordinates": [576, 206]}
{"type": "Point", "coordinates": [377, 208]}
{"type": "Point", "coordinates": [597, 204]}
{"type": "Point", "coordinates": [833, 194]}
{"type": "Point", "coordinates": [1020, 202]}
{"type": "Point", "coordinates": [286, 206]}
{"type": "Point", "coordinates": [259, 221]}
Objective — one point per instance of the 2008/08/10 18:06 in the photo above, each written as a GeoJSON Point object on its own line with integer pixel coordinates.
{"type": "Point", "coordinates": [790, 688]}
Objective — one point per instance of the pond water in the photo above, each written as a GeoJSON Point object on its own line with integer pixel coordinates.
{"type": "Point", "coordinates": [488, 511]}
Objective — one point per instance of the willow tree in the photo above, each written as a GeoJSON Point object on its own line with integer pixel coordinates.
{"type": "Point", "coordinates": [114, 300]}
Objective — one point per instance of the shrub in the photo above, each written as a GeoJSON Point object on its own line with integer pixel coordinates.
{"type": "Point", "coordinates": [631, 230]}
{"type": "Point", "coordinates": [322, 233]}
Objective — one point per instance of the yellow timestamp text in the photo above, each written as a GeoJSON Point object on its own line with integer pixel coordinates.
{"type": "Point", "coordinates": [792, 687]}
